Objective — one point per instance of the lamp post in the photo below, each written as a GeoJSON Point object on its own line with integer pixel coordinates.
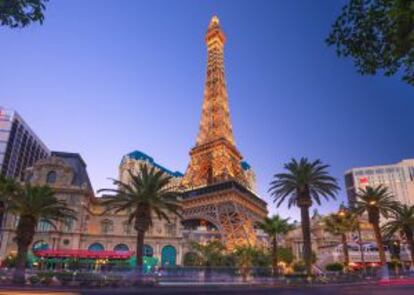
{"type": "Point", "coordinates": [360, 248]}
{"type": "Point", "coordinates": [344, 212]}
{"type": "Point", "coordinates": [342, 215]}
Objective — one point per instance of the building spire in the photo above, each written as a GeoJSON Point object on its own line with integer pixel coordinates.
{"type": "Point", "coordinates": [215, 157]}
{"type": "Point", "coordinates": [215, 118]}
{"type": "Point", "coordinates": [214, 21]}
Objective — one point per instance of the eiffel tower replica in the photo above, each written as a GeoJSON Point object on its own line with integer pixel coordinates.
{"type": "Point", "coordinates": [216, 186]}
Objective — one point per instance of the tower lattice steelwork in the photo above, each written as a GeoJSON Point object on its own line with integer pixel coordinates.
{"type": "Point", "coordinates": [216, 187]}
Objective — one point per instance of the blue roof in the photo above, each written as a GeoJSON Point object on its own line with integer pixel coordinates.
{"type": "Point", "coordinates": [245, 165]}
{"type": "Point", "coordinates": [138, 155]}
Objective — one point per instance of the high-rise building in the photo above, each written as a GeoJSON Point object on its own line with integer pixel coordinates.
{"type": "Point", "coordinates": [132, 161]}
{"type": "Point", "coordinates": [398, 178]}
{"type": "Point", "coordinates": [217, 187]}
{"type": "Point", "coordinates": [19, 146]}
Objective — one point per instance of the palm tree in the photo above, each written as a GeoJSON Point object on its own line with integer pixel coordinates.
{"type": "Point", "coordinates": [209, 254]}
{"type": "Point", "coordinates": [377, 202]}
{"type": "Point", "coordinates": [149, 191]}
{"type": "Point", "coordinates": [8, 189]}
{"type": "Point", "coordinates": [244, 257]}
{"type": "Point", "coordinates": [402, 220]}
{"type": "Point", "coordinates": [274, 226]}
{"type": "Point", "coordinates": [33, 204]}
{"type": "Point", "coordinates": [339, 224]}
{"type": "Point", "coordinates": [303, 183]}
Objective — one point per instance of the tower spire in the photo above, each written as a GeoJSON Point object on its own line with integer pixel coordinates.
{"type": "Point", "coordinates": [215, 118]}
{"type": "Point", "coordinates": [215, 157]}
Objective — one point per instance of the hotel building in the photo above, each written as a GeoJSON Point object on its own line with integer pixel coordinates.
{"type": "Point", "coordinates": [19, 146]}
{"type": "Point", "coordinates": [398, 178]}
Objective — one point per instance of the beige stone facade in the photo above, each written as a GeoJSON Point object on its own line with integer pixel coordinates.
{"type": "Point", "coordinates": [66, 174]}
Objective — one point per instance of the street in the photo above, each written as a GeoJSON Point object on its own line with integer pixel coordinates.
{"type": "Point", "coordinates": [328, 290]}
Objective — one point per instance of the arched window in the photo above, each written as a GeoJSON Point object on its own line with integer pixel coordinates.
{"type": "Point", "coordinates": [39, 246]}
{"type": "Point", "coordinates": [51, 177]}
{"type": "Point", "coordinates": [121, 248]}
{"type": "Point", "coordinates": [148, 251]}
{"type": "Point", "coordinates": [96, 247]}
{"type": "Point", "coordinates": [168, 256]}
{"type": "Point", "coordinates": [107, 226]}
{"type": "Point", "coordinates": [43, 226]}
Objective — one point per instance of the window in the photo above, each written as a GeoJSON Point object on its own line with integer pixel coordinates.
{"type": "Point", "coordinates": [51, 177]}
{"type": "Point", "coordinates": [68, 225]}
{"type": "Point", "coordinates": [389, 170]}
{"type": "Point", "coordinates": [74, 179]}
{"type": "Point", "coordinates": [170, 229]}
{"type": "Point", "coordinates": [3, 147]}
{"type": "Point", "coordinates": [127, 227]}
{"type": "Point", "coordinates": [121, 248]}
{"type": "Point", "coordinates": [40, 245]}
{"type": "Point", "coordinates": [96, 247]}
{"type": "Point", "coordinates": [44, 226]}
{"type": "Point", "coordinates": [148, 251]}
{"type": "Point", "coordinates": [16, 221]}
{"type": "Point", "coordinates": [107, 226]}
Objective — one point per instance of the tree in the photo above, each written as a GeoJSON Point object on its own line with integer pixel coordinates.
{"type": "Point", "coordinates": [339, 224]}
{"type": "Point", "coordinates": [148, 192]}
{"type": "Point", "coordinates": [246, 257]}
{"type": "Point", "coordinates": [8, 189]}
{"type": "Point", "coordinates": [377, 202]}
{"type": "Point", "coordinates": [210, 254]}
{"type": "Point", "coordinates": [285, 254]}
{"type": "Point", "coordinates": [303, 183]}
{"type": "Point", "coordinates": [401, 220]}
{"type": "Point", "coordinates": [275, 226]}
{"type": "Point", "coordinates": [20, 13]}
{"type": "Point", "coordinates": [191, 259]}
{"type": "Point", "coordinates": [378, 35]}
{"type": "Point", "coordinates": [33, 204]}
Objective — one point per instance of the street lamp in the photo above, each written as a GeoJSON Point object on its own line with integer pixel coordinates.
{"type": "Point", "coordinates": [343, 212]}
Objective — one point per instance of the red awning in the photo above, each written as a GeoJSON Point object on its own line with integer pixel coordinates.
{"type": "Point", "coordinates": [65, 253]}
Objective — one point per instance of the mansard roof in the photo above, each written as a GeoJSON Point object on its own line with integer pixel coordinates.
{"type": "Point", "coordinates": [78, 165]}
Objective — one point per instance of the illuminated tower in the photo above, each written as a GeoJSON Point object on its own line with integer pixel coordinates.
{"type": "Point", "coordinates": [215, 157]}
{"type": "Point", "coordinates": [216, 184]}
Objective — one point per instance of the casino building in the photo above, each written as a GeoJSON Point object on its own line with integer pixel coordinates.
{"type": "Point", "coordinates": [219, 198]}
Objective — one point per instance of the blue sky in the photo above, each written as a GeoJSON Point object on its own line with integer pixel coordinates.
{"type": "Point", "coordinates": [103, 78]}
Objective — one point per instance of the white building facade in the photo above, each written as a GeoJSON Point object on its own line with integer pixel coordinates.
{"type": "Point", "coordinates": [398, 178]}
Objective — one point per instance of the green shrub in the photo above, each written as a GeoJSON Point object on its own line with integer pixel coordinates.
{"type": "Point", "coordinates": [336, 266]}
{"type": "Point", "coordinates": [285, 254]}
{"type": "Point", "coordinates": [299, 266]}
